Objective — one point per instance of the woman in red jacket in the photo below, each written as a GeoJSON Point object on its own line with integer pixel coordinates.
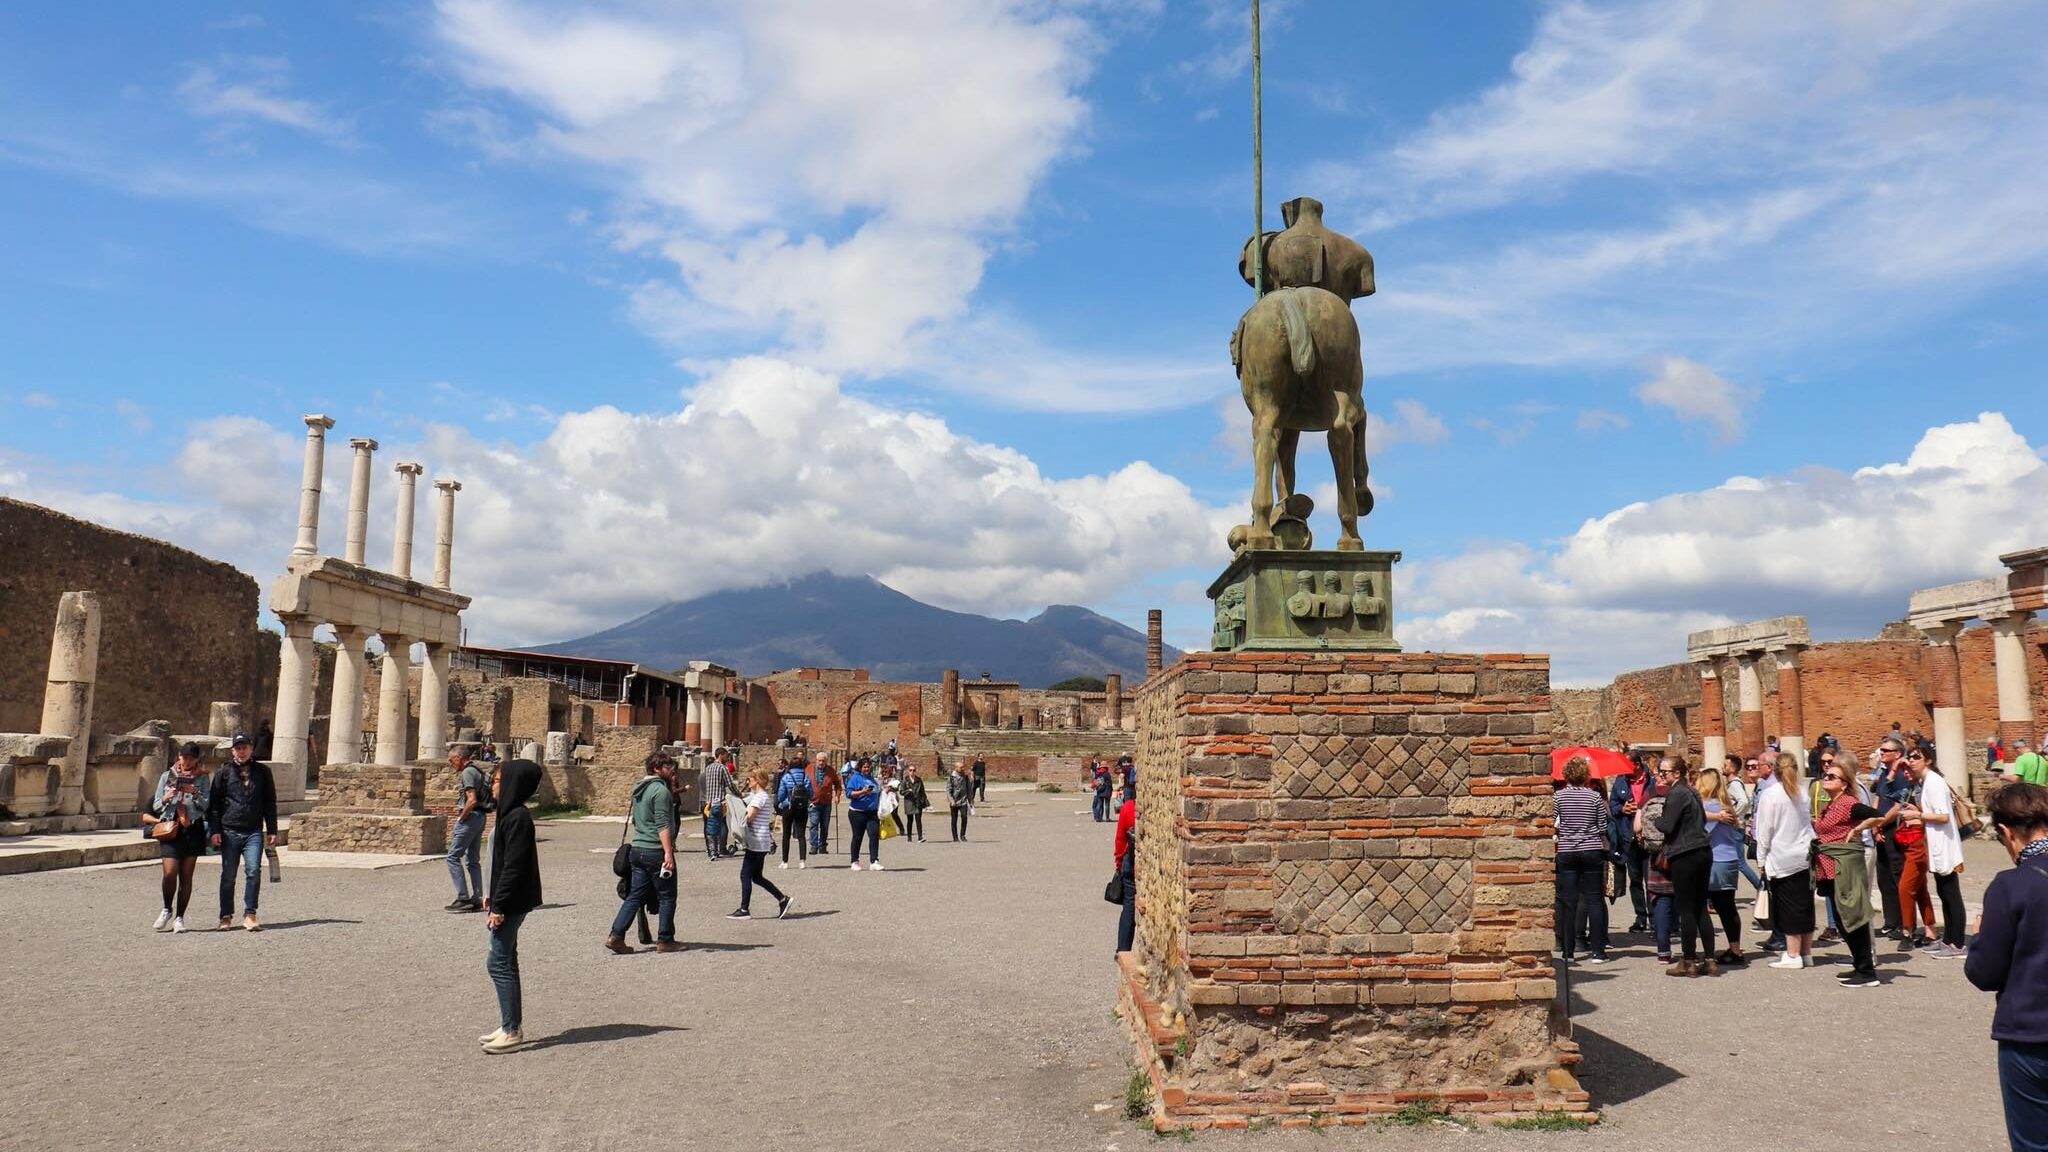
{"type": "Point", "coordinates": [1126, 866]}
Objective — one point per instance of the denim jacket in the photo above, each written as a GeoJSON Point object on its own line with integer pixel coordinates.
{"type": "Point", "coordinates": [167, 800]}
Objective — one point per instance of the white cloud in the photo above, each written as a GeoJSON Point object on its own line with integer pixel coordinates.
{"type": "Point", "coordinates": [1844, 549]}
{"type": "Point", "coordinates": [1410, 423]}
{"type": "Point", "coordinates": [1598, 419]}
{"type": "Point", "coordinates": [38, 400]}
{"type": "Point", "coordinates": [769, 471]}
{"type": "Point", "coordinates": [241, 89]}
{"type": "Point", "coordinates": [135, 416]}
{"type": "Point", "coordinates": [1696, 394]}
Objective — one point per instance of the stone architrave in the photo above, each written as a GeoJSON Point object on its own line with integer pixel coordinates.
{"type": "Point", "coordinates": [67, 694]}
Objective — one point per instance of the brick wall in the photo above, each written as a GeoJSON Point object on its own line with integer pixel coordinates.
{"type": "Point", "coordinates": [1345, 884]}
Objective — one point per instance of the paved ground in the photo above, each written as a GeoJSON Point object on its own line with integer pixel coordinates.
{"type": "Point", "coordinates": [960, 998]}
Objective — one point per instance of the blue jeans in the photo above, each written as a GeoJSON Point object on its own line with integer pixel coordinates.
{"type": "Point", "coordinates": [1127, 918]}
{"type": "Point", "coordinates": [2023, 1081]}
{"type": "Point", "coordinates": [1101, 807]}
{"type": "Point", "coordinates": [1580, 877]}
{"type": "Point", "coordinates": [248, 848]}
{"type": "Point", "coordinates": [464, 847]}
{"type": "Point", "coordinates": [714, 828]}
{"type": "Point", "coordinates": [1749, 874]}
{"type": "Point", "coordinates": [869, 825]}
{"type": "Point", "coordinates": [1663, 911]}
{"type": "Point", "coordinates": [647, 878]}
{"type": "Point", "coordinates": [820, 826]}
{"type": "Point", "coordinates": [503, 965]}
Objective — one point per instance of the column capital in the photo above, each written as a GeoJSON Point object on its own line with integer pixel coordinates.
{"type": "Point", "coordinates": [1942, 634]}
{"type": "Point", "coordinates": [408, 468]}
{"type": "Point", "coordinates": [297, 626]}
{"type": "Point", "coordinates": [350, 633]}
{"type": "Point", "coordinates": [1709, 666]}
{"type": "Point", "coordinates": [448, 485]}
{"type": "Point", "coordinates": [2011, 623]}
{"type": "Point", "coordinates": [1788, 656]}
{"type": "Point", "coordinates": [363, 444]}
{"type": "Point", "coordinates": [318, 422]}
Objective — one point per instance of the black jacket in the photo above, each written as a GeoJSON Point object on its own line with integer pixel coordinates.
{"type": "Point", "coordinates": [1684, 822]}
{"type": "Point", "coordinates": [515, 862]}
{"type": "Point", "coordinates": [234, 806]}
{"type": "Point", "coordinates": [2010, 956]}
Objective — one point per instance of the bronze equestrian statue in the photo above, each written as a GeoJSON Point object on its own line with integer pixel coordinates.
{"type": "Point", "coordinates": [1299, 364]}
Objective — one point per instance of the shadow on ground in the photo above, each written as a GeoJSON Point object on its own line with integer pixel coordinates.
{"type": "Point", "coordinates": [1617, 1073]}
{"type": "Point", "coordinates": [315, 922]}
{"type": "Point", "coordinates": [600, 1033]}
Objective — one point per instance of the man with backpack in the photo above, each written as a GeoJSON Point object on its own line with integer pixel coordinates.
{"type": "Point", "coordinates": [651, 827]}
{"type": "Point", "coordinates": [793, 804]}
{"type": "Point", "coordinates": [465, 841]}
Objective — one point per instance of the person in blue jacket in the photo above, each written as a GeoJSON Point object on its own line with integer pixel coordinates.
{"type": "Point", "coordinates": [2010, 957]}
{"type": "Point", "coordinates": [863, 802]}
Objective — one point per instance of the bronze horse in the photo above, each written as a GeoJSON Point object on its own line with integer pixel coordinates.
{"type": "Point", "coordinates": [1300, 366]}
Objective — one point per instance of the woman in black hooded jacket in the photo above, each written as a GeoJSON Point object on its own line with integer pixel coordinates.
{"type": "Point", "coordinates": [515, 891]}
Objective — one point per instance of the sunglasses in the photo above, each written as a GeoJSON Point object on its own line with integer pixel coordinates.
{"type": "Point", "coordinates": [1917, 756]}
{"type": "Point", "coordinates": [1837, 776]}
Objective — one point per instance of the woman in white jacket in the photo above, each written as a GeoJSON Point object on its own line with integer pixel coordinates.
{"type": "Point", "coordinates": [1784, 832]}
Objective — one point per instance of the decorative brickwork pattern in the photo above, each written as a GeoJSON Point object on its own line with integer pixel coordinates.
{"type": "Point", "coordinates": [1345, 880]}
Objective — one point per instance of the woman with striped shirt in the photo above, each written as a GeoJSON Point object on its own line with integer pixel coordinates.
{"type": "Point", "coordinates": [756, 841]}
{"type": "Point", "coordinates": [1580, 815]}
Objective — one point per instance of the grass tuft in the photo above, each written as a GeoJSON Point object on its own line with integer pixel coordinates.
{"type": "Point", "coordinates": [1137, 1095]}
{"type": "Point", "coordinates": [1545, 1122]}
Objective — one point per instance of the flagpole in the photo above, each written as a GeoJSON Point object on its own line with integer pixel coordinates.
{"type": "Point", "coordinates": [1258, 166]}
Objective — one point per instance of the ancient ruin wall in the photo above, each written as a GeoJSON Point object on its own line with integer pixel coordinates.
{"type": "Point", "coordinates": [178, 631]}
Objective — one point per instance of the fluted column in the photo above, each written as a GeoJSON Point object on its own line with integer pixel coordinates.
{"type": "Point", "coordinates": [1945, 690]}
{"type": "Point", "coordinates": [1749, 696]}
{"type": "Point", "coordinates": [401, 538]}
{"type": "Point", "coordinates": [345, 711]}
{"type": "Point", "coordinates": [2015, 703]}
{"type": "Point", "coordinates": [434, 703]}
{"type": "Point", "coordinates": [290, 752]}
{"type": "Point", "coordinates": [1791, 708]}
{"type": "Point", "coordinates": [359, 500]}
{"type": "Point", "coordinates": [309, 486]}
{"type": "Point", "coordinates": [392, 692]}
{"type": "Point", "coordinates": [444, 531]}
{"type": "Point", "coordinates": [1713, 718]}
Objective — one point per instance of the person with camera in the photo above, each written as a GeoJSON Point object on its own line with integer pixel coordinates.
{"type": "Point", "coordinates": [241, 812]}
{"type": "Point", "coordinates": [2010, 958]}
{"type": "Point", "coordinates": [176, 820]}
{"type": "Point", "coordinates": [652, 849]}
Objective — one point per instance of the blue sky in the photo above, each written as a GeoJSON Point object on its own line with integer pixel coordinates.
{"type": "Point", "coordinates": [1687, 313]}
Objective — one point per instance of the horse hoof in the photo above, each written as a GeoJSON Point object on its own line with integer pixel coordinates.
{"type": "Point", "coordinates": [1365, 501]}
{"type": "Point", "coordinates": [1350, 544]}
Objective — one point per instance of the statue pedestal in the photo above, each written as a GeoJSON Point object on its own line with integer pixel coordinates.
{"type": "Point", "coordinates": [371, 808]}
{"type": "Point", "coordinates": [1306, 601]}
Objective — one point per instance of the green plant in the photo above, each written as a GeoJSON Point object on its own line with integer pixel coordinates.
{"type": "Point", "coordinates": [1417, 1114]}
{"type": "Point", "coordinates": [1546, 1122]}
{"type": "Point", "coordinates": [1137, 1095]}
{"type": "Point", "coordinates": [1049, 787]}
{"type": "Point", "coordinates": [1181, 1048]}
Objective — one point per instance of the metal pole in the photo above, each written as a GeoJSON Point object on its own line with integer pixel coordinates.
{"type": "Point", "coordinates": [1258, 166]}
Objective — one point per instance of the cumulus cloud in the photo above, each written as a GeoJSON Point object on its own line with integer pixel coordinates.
{"type": "Point", "coordinates": [769, 471]}
{"type": "Point", "coordinates": [1696, 394]}
{"type": "Point", "coordinates": [1844, 549]}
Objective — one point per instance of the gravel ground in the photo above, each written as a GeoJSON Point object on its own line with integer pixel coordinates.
{"type": "Point", "coordinates": [961, 997]}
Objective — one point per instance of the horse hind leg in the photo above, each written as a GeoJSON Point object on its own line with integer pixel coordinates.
{"type": "Point", "coordinates": [1290, 439]}
{"type": "Point", "coordinates": [1345, 437]}
{"type": "Point", "coordinates": [1362, 492]}
{"type": "Point", "coordinates": [1265, 447]}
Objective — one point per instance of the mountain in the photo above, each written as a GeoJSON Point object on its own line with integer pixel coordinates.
{"type": "Point", "coordinates": [829, 621]}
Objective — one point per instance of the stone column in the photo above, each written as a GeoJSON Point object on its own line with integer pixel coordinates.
{"type": "Point", "coordinates": [309, 486]}
{"type": "Point", "coordinates": [1155, 644]}
{"type": "Point", "coordinates": [714, 720]}
{"type": "Point", "coordinates": [444, 530]}
{"type": "Point", "coordinates": [1113, 701]}
{"type": "Point", "coordinates": [359, 500]}
{"type": "Point", "coordinates": [1749, 696]}
{"type": "Point", "coordinates": [345, 712]}
{"type": "Point", "coordinates": [67, 695]}
{"type": "Point", "coordinates": [392, 692]}
{"type": "Point", "coordinates": [1713, 718]}
{"type": "Point", "coordinates": [1945, 691]}
{"type": "Point", "coordinates": [693, 717]}
{"type": "Point", "coordinates": [290, 752]}
{"type": "Point", "coordinates": [2015, 707]}
{"type": "Point", "coordinates": [434, 703]}
{"type": "Point", "coordinates": [1791, 709]}
{"type": "Point", "coordinates": [401, 539]}
{"type": "Point", "coordinates": [949, 696]}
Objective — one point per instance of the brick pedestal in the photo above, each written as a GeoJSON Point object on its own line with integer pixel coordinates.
{"type": "Point", "coordinates": [371, 808]}
{"type": "Point", "coordinates": [1345, 887]}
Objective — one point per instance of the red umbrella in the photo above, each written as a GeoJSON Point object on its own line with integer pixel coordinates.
{"type": "Point", "coordinates": [1605, 761]}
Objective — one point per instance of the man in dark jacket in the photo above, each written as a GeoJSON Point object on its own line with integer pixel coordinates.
{"type": "Point", "coordinates": [2010, 957]}
{"type": "Point", "coordinates": [515, 891]}
{"type": "Point", "coordinates": [241, 814]}
{"type": "Point", "coordinates": [1624, 796]}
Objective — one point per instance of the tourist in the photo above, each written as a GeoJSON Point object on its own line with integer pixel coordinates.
{"type": "Point", "coordinates": [515, 891]}
{"type": "Point", "coordinates": [715, 783]}
{"type": "Point", "coordinates": [1916, 903]}
{"type": "Point", "coordinates": [1742, 792]}
{"type": "Point", "coordinates": [756, 842]}
{"type": "Point", "coordinates": [825, 790]}
{"type": "Point", "coordinates": [2010, 958]}
{"type": "Point", "coordinates": [960, 797]}
{"type": "Point", "coordinates": [1624, 799]}
{"type": "Point", "coordinates": [1838, 869]}
{"type": "Point", "coordinates": [863, 804]}
{"type": "Point", "coordinates": [1656, 869]}
{"type": "Point", "coordinates": [465, 841]}
{"type": "Point", "coordinates": [1579, 817]}
{"type": "Point", "coordinates": [1689, 858]}
{"type": "Point", "coordinates": [1102, 786]}
{"type": "Point", "coordinates": [1763, 779]}
{"type": "Point", "coordinates": [980, 778]}
{"type": "Point", "coordinates": [181, 798]}
{"type": "Point", "coordinates": [892, 798]}
{"type": "Point", "coordinates": [1784, 832]}
{"type": "Point", "coordinates": [2028, 766]}
{"type": "Point", "coordinates": [915, 801]}
{"type": "Point", "coordinates": [1127, 867]}
{"type": "Point", "coordinates": [1935, 813]}
{"type": "Point", "coordinates": [1891, 787]}
{"type": "Point", "coordinates": [1994, 754]}
{"type": "Point", "coordinates": [241, 812]}
{"type": "Point", "coordinates": [652, 850]}
{"type": "Point", "coordinates": [793, 804]}
{"type": "Point", "coordinates": [1724, 842]}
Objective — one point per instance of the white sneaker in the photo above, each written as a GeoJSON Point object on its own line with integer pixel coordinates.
{"type": "Point", "coordinates": [799, 864]}
{"type": "Point", "coordinates": [784, 865]}
{"type": "Point", "coordinates": [856, 865]}
{"type": "Point", "coordinates": [163, 921]}
{"type": "Point", "coordinates": [487, 1038]}
{"type": "Point", "coordinates": [1786, 961]}
{"type": "Point", "coordinates": [875, 867]}
{"type": "Point", "coordinates": [506, 1042]}
{"type": "Point", "coordinates": [178, 925]}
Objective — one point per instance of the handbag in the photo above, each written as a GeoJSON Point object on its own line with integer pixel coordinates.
{"type": "Point", "coordinates": [163, 831]}
{"type": "Point", "coordinates": [1114, 890]}
{"type": "Point", "coordinates": [622, 857]}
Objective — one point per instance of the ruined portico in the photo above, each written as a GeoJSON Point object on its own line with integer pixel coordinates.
{"type": "Point", "coordinates": [1778, 640]}
{"type": "Point", "coordinates": [2007, 603]}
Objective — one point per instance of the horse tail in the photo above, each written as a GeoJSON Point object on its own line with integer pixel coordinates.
{"type": "Point", "coordinates": [1301, 341]}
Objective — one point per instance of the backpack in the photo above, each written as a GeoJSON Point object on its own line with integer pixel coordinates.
{"type": "Point", "coordinates": [792, 793]}
{"type": "Point", "coordinates": [1652, 837]}
{"type": "Point", "coordinates": [486, 800]}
